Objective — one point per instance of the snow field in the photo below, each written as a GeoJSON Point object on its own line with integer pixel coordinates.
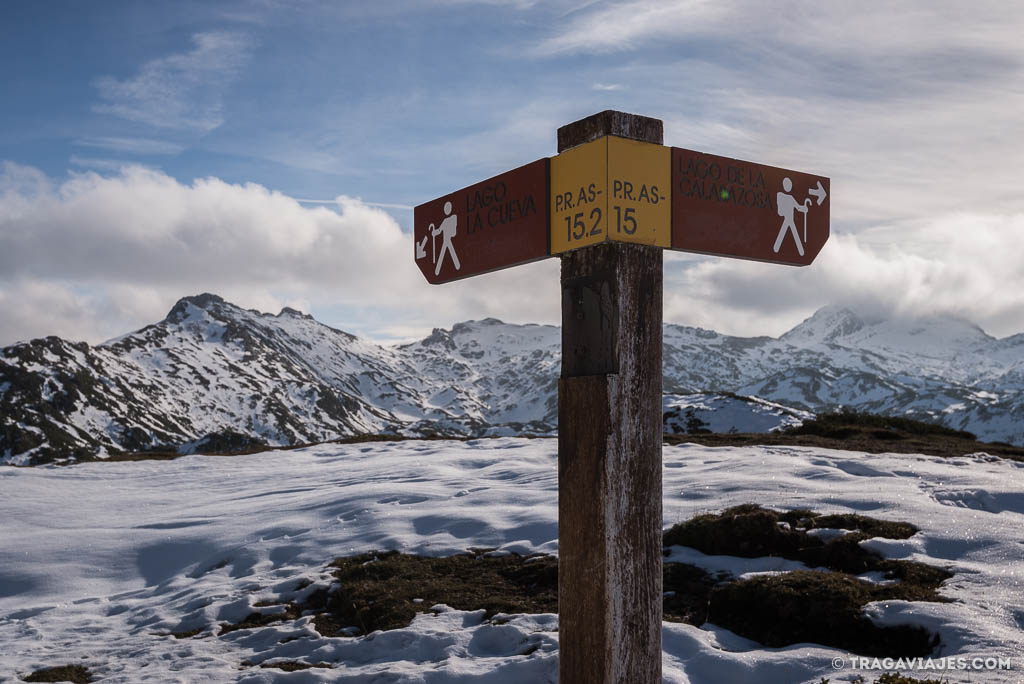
{"type": "Point", "coordinates": [101, 562]}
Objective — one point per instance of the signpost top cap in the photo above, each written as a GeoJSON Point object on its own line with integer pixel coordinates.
{"type": "Point", "coordinates": [611, 122]}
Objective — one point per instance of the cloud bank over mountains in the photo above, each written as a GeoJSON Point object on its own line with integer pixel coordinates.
{"type": "Point", "coordinates": [202, 122]}
{"type": "Point", "coordinates": [94, 255]}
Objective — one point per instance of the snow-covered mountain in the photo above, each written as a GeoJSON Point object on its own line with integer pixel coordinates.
{"type": "Point", "coordinates": [214, 376]}
{"type": "Point", "coordinates": [940, 368]}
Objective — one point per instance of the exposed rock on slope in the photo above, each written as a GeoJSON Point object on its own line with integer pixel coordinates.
{"type": "Point", "coordinates": [213, 376]}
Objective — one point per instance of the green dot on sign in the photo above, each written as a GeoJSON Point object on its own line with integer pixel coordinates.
{"type": "Point", "coordinates": [724, 194]}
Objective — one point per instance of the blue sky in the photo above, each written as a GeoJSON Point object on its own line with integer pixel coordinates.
{"type": "Point", "coordinates": [154, 150]}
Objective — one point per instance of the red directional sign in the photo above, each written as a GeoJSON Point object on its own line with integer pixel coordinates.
{"type": "Point", "coordinates": [729, 207]}
{"type": "Point", "coordinates": [500, 222]}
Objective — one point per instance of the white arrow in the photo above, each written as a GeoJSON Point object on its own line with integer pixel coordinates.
{"type": "Point", "coordinates": [818, 192]}
{"type": "Point", "coordinates": [421, 248]}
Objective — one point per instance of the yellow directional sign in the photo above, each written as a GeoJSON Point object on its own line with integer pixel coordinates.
{"type": "Point", "coordinates": [579, 196]}
{"type": "Point", "coordinates": [640, 180]}
{"type": "Point", "coordinates": [611, 189]}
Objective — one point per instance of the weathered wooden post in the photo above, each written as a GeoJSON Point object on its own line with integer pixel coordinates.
{"type": "Point", "coordinates": [609, 448]}
{"type": "Point", "coordinates": [608, 204]}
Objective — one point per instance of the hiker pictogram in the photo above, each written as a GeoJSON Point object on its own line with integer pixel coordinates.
{"type": "Point", "coordinates": [447, 231]}
{"type": "Point", "coordinates": [787, 205]}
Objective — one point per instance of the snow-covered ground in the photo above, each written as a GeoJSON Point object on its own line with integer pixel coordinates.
{"type": "Point", "coordinates": [718, 412]}
{"type": "Point", "coordinates": [100, 562]}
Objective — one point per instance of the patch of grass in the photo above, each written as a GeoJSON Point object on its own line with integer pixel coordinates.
{"type": "Point", "coordinates": [870, 433]}
{"type": "Point", "coordinates": [137, 456]}
{"type": "Point", "coordinates": [295, 665]}
{"type": "Point", "coordinates": [815, 607]}
{"type": "Point", "coordinates": [687, 593]}
{"type": "Point", "coordinates": [254, 620]}
{"type": "Point", "coordinates": [897, 678]}
{"type": "Point", "coordinates": [820, 607]}
{"type": "Point", "coordinates": [750, 531]}
{"type": "Point", "coordinates": [842, 424]}
{"type": "Point", "coordinates": [369, 437]}
{"type": "Point", "coordinates": [165, 454]}
{"type": "Point", "coordinates": [872, 527]}
{"type": "Point", "coordinates": [187, 634]}
{"type": "Point", "coordinates": [76, 674]}
{"type": "Point", "coordinates": [376, 590]}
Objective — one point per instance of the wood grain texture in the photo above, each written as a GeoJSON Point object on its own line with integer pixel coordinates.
{"type": "Point", "coordinates": [609, 441]}
{"type": "Point", "coordinates": [610, 122]}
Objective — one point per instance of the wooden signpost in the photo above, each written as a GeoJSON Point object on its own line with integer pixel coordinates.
{"type": "Point", "coordinates": [608, 204]}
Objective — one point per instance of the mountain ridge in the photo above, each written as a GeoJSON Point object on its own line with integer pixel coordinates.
{"type": "Point", "coordinates": [215, 375]}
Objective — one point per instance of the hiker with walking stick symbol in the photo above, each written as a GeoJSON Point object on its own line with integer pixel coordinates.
{"type": "Point", "coordinates": [447, 231]}
{"type": "Point", "coordinates": [787, 204]}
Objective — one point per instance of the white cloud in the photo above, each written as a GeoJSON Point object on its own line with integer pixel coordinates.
{"type": "Point", "coordinates": [905, 106]}
{"type": "Point", "coordinates": [626, 25]}
{"type": "Point", "coordinates": [874, 30]}
{"type": "Point", "coordinates": [966, 265]}
{"type": "Point", "coordinates": [132, 145]}
{"type": "Point", "coordinates": [102, 164]}
{"type": "Point", "coordinates": [20, 185]}
{"type": "Point", "coordinates": [181, 91]}
{"type": "Point", "coordinates": [96, 256]}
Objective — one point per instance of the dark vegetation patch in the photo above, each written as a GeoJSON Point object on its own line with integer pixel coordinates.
{"type": "Point", "coordinates": [63, 673]}
{"type": "Point", "coordinates": [295, 665]}
{"type": "Point", "coordinates": [811, 605]}
{"type": "Point", "coordinates": [846, 430]}
{"type": "Point", "coordinates": [385, 590]}
{"type": "Point", "coordinates": [867, 432]}
{"type": "Point", "coordinates": [687, 593]}
{"type": "Point", "coordinates": [156, 455]}
{"type": "Point", "coordinates": [808, 606]}
{"type": "Point", "coordinates": [292, 611]}
{"type": "Point", "coordinates": [187, 634]}
{"type": "Point", "coordinates": [377, 590]}
{"type": "Point", "coordinates": [750, 531]}
{"type": "Point", "coordinates": [164, 454]}
{"type": "Point", "coordinates": [846, 424]}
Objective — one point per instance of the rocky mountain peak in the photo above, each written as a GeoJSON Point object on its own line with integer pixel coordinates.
{"type": "Point", "coordinates": [293, 313]}
{"type": "Point", "coordinates": [828, 324]}
{"type": "Point", "coordinates": [439, 337]}
{"type": "Point", "coordinates": [201, 301]}
{"type": "Point", "coordinates": [471, 326]}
